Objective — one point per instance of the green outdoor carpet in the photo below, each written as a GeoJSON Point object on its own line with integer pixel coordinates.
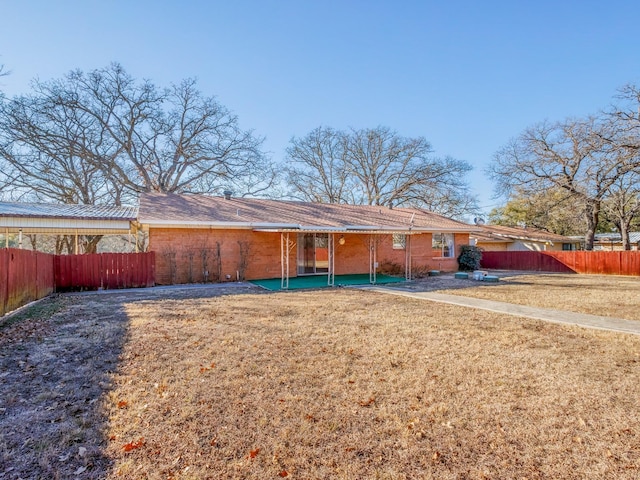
{"type": "Point", "coordinates": [320, 281]}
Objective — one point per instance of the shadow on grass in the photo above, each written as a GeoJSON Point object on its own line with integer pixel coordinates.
{"type": "Point", "coordinates": [57, 361]}
{"type": "Point", "coordinates": [56, 358]}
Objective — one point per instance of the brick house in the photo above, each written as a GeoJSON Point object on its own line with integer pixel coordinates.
{"type": "Point", "coordinates": [203, 238]}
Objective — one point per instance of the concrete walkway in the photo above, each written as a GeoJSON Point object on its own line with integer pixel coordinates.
{"type": "Point", "coordinates": [546, 314]}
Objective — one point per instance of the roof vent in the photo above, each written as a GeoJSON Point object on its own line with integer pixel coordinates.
{"type": "Point", "coordinates": [227, 194]}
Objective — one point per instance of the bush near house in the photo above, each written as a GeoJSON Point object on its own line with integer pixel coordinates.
{"type": "Point", "coordinates": [469, 258]}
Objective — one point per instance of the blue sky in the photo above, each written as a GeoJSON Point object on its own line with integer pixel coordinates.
{"type": "Point", "coordinates": [466, 75]}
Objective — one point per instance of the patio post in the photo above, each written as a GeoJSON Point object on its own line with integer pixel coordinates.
{"type": "Point", "coordinates": [284, 261]}
{"type": "Point", "coordinates": [373, 259]}
{"type": "Point", "coordinates": [331, 254]}
{"type": "Point", "coordinates": [407, 257]}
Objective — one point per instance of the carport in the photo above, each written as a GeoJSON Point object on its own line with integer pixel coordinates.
{"type": "Point", "coordinates": [21, 219]}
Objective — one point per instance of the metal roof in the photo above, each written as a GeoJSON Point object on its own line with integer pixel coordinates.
{"type": "Point", "coordinates": [634, 237]}
{"type": "Point", "coordinates": [52, 218]}
{"type": "Point", "coordinates": [68, 211]}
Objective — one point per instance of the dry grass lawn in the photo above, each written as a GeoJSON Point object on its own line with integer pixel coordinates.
{"type": "Point", "coordinates": [339, 384]}
{"type": "Point", "coordinates": [604, 295]}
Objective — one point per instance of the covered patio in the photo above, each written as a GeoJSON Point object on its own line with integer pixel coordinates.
{"type": "Point", "coordinates": [326, 254]}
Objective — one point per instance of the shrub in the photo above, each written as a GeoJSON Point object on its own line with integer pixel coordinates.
{"type": "Point", "coordinates": [469, 258]}
{"type": "Point", "coordinates": [387, 267]}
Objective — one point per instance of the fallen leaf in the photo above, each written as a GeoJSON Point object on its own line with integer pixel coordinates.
{"type": "Point", "coordinates": [123, 404]}
{"type": "Point", "coordinates": [254, 453]}
{"type": "Point", "coordinates": [133, 445]}
{"type": "Point", "coordinates": [283, 473]}
{"type": "Point", "coordinates": [368, 403]}
{"type": "Point", "coordinates": [79, 470]}
{"type": "Point", "coordinates": [82, 451]}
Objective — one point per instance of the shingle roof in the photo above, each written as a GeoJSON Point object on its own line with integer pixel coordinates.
{"type": "Point", "coordinates": [158, 209]}
{"type": "Point", "coordinates": [496, 233]}
{"type": "Point", "coordinates": [50, 210]}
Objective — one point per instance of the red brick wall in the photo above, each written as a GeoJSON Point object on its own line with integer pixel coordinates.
{"type": "Point", "coordinates": [177, 249]}
{"type": "Point", "coordinates": [423, 257]}
{"type": "Point", "coordinates": [179, 254]}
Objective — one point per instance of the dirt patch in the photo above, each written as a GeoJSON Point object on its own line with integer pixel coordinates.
{"type": "Point", "coordinates": [604, 295]}
{"type": "Point", "coordinates": [320, 384]}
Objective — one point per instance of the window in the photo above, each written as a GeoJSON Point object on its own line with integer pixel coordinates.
{"type": "Point", "coordinates": [567, 246]}
{"type": "Point", "coordinates": [443, 243]}
{"type": "Point", "coordinates": [399, 241]}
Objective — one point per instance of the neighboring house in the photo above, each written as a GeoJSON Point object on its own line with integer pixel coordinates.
{"type": "Point", "coordinates": [18, 219]}
{"type": "Point", "coordinates": [500, 238]}
{"type": "Point", "coordinates": [613, 241]}
{"type": "Point", "coordinates": [202, 238]}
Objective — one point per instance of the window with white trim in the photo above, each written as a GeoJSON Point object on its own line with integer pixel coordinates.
{"type": "Point", "coordinates": [399, 241]}
{"type": "Point", "coordinates": [443, 245]}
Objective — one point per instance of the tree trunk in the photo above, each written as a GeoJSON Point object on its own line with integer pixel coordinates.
{"type": "Point", "coordinates": [62, 242]}
{"type": "Point", "coordinates": [90, 243]}
{"type": "Point", "coordinates": [592, 214]}
{"type": "Point", "coordinates": [624, 227]}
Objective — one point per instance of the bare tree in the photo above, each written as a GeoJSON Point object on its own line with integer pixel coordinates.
{"type": "Point", "coordinates": [102, 136]}
{"type": "Point", "coordinates": [622, 134]}
{"type": "Point", "coordinates": [376, 167]}
{"type": "Point", "coordinates": [624, 118]}
{"type": "Point", "coordinates": [3, 72]}
{"type": "Point", "coordinates": [622, 206]}
{"type": "Point", "coordinates": [318, 168]}
{"type": "Point", "coordinates": [572, 156]}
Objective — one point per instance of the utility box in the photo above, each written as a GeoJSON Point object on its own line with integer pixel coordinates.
{"type": "Point", "coordinates": [479, 275]}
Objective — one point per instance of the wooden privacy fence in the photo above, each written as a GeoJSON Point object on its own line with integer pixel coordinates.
{"type": "Point", "coordinates": [603, 263]}
{"type": "Point", "coordinates": [104, 270]}
{"type": "Point", "coordinates": [25, 276]}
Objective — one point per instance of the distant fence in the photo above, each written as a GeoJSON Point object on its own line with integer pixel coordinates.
{"type": "Point", "coordinates": [26, 276]}
{"type": "Point", "coordinates": [104, 270]}
{"type": "Point", "coordinates": [592, 262]}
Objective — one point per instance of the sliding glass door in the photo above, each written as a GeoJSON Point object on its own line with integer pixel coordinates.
{"type": "Point", "coordinates": [313, 253]}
